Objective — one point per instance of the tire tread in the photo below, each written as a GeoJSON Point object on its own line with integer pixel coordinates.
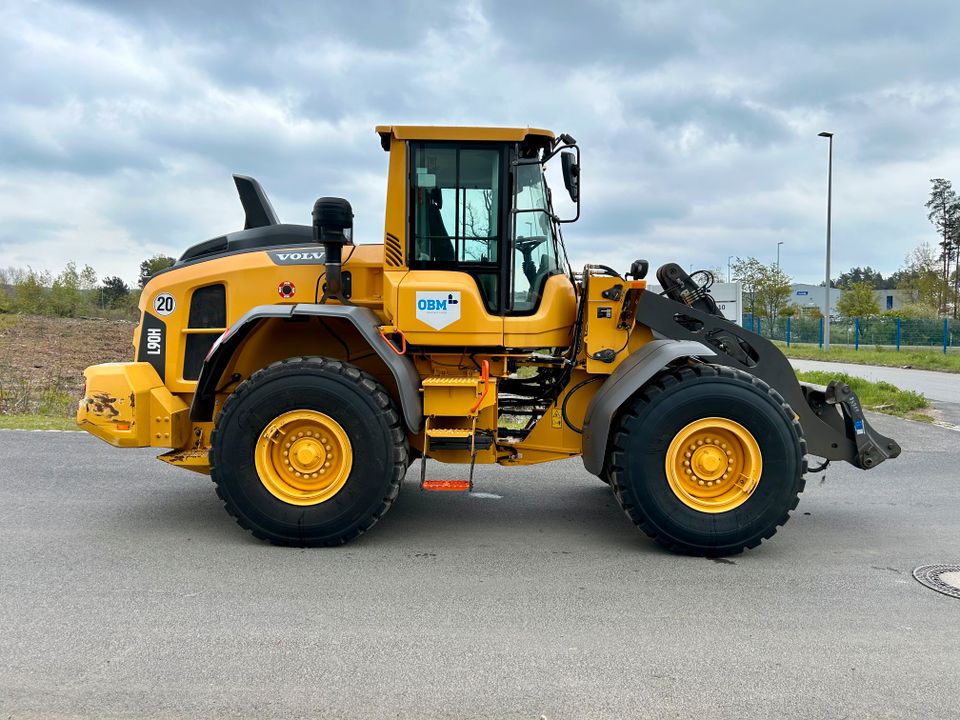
{"type": "Point", "coordinates": [360, 379]}
{"type": "Point", "coordinates": [626, 425]}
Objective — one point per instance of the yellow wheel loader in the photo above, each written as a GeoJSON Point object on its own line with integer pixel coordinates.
{"type": "Point", "coordinates": [305, 372]}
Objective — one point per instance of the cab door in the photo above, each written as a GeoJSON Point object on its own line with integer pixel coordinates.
{"type": "Point", "coordinates": [454, 294]}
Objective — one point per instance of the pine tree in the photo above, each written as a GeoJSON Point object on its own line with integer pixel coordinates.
{"type": "Point", "coordinates": [944, 213]}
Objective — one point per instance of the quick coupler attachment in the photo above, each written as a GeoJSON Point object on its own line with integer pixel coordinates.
{"type": "Point", "coordinates": [872, 447]}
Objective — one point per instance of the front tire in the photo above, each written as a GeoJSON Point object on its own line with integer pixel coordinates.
{"type": "Point", "coordinates": [308, 452]}
{"type": "Point", "coordinates": [707, 460]}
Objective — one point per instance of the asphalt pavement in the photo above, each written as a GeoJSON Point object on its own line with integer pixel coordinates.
{"type": "Point", "coordinates": [127, 591]}
{"type": "Point", "coordinates": [940, 388]}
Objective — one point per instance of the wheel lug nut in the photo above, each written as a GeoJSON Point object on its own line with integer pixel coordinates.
{"type": "Point", "coordinates": [700, 482]}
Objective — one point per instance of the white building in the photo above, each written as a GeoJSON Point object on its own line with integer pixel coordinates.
{"type": "Point", "coordinates": [812, 296]}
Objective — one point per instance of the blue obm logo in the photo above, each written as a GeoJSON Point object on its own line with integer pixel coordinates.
{"type": "Point", "coordinates": [431, 304]}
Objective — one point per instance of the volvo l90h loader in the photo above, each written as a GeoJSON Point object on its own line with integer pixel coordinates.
{"type": "Point", "coordinates": [305, 372]}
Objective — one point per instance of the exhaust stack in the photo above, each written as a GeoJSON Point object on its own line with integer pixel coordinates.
{"type": "Point", "coordinates": [333, 228]}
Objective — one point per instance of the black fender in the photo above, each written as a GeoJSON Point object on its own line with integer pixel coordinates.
{"type": "Point", "coordinates": [631, 375]}
{"type": "Point", "coordinates": [363, 319]}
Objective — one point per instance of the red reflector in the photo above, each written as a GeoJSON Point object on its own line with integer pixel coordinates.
{"type": "Point", "coordinates": [456, 485]}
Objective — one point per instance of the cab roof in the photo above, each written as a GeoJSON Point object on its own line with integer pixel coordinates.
{"type": "Point", "coordinates": [480, 134]}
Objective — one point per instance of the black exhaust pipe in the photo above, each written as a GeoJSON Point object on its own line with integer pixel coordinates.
{"type": "Point", "coordinates": [333, 228]}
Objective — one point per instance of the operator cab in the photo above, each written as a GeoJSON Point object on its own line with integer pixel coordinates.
{"type": "Point", "coordinates": [480, 228]}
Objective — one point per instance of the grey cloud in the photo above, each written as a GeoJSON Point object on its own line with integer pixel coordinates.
{"type": "Point", "coordinates": [698, 121]}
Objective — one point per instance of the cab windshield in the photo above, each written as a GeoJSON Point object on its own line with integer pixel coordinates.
{"type": "Point", "coordinates": [535, 255]}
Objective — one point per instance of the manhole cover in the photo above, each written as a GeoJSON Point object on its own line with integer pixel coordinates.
{"type": "Point", "coordinates": [942, 578]}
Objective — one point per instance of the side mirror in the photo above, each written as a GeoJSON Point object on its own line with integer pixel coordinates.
{"type": "Point", "coordinates": [571, 174]}
{"type": "Point", "coordinates": [638, 270]}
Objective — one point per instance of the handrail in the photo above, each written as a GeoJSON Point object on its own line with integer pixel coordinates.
{"type": "Point", "coordinates": [485, 375]}
{"type": "Point", "coordinates": [403, 338]}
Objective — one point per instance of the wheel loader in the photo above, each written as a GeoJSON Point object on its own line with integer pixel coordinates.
{"type": "Point", "coordinates": [305, 372]}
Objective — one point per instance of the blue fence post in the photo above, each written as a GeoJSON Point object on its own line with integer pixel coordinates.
{"type": "Point", "coordinates": [946, 335]}
{"type": "Point", "coordinates": [898, 334]}
{"type": "Point", "coordinates": [788, 330]}
{"type": "Point", "coordinates": [759, 333]}
{"type": "Point", "coordinates": [856, 333]}
{"type": "Point", "coordinates": [821, 332]}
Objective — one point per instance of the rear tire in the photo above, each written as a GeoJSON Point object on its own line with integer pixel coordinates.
{"type": "Point", "coordinates": [347, 462]}
{"type": "Point", "coordinates": [753, 460]}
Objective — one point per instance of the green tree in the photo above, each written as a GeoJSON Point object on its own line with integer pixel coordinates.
{"type": "Point", "coordinates": [114, 292]}
{"type": "Point", "coordinates": [152, 265]}
{"type": "Point", "coordinates": [861, 274]}
{"type": "Point", "coordinates": [749, 273]}
{"type": "Point", "coordinates": [766, 288]}
{"type": "Point", "coordinates": [6, 299]}
{"type": "Point", "coordinates": [920, 278]}
{"type": "Point", "coordinates": [944, 213]}
{"type": "Point", "coordinates": [30, 291]}
{"type": "Point", "coordinates": [773, 292]}
{"type": "Point", "coordinates": [858, 301]}
{"type": "Point", "coordinates": [74, 292]}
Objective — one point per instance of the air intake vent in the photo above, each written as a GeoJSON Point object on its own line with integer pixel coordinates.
{"type": "Point", "coordinates": [208, 318]}
{"type": "Point", "coordinates": [393, 255]}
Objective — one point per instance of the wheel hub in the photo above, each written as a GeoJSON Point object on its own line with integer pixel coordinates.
{"type": "Point", "coordinates": [303, 457]}
{"type": "Point", "coordinates": [713, 465]}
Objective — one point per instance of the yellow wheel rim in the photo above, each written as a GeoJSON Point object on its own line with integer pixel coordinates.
{"type": "Point", "coordinates": [304, 457]}
{"type": "Point", "coordinates": [713, 465]}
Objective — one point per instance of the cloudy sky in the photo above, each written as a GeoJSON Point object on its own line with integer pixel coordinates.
{"type": "Point", "coordinates": [122, 122]}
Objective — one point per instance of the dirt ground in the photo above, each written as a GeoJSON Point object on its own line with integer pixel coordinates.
{"type": "Point", "coordinates": [42, 359]}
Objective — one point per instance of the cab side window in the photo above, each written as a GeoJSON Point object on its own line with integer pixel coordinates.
{"type": "Point", "coordinates": [535, 256]}
{"type": "Point", "coordinates": [455, 212]}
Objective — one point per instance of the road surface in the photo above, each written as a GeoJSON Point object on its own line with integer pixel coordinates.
{"type": "Point", "coordinates": [126, 591]}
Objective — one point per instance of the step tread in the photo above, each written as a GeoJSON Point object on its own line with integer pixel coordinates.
{"type": "Point", "coordinates": [452, 380]}
{"type": "Point", "coordinates": [449, 432]}
{"type": "Point", "coordinates": [446, 485]}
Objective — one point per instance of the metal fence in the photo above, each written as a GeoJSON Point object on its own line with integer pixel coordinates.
{"type": "Point", "coordinates": [892, 333]}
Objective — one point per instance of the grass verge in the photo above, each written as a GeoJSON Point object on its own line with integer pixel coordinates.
{"type": "Point", "coordinates": [37, 422]}
{"type": "Point", "coordinates": [932, 359]}
{"type": "Point", "coordinates": [880, 396]}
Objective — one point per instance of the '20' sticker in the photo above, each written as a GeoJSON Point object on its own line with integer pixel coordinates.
{"type": "Point", "coordinates": [164, 304]}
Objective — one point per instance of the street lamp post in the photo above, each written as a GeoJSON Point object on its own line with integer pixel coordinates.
{"type": "Point", "coordinates": [778, 255]}
{"type": "Point", "coordinates": [826, 302]}
{"type": "Point", "coordinates": [729, 257]}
